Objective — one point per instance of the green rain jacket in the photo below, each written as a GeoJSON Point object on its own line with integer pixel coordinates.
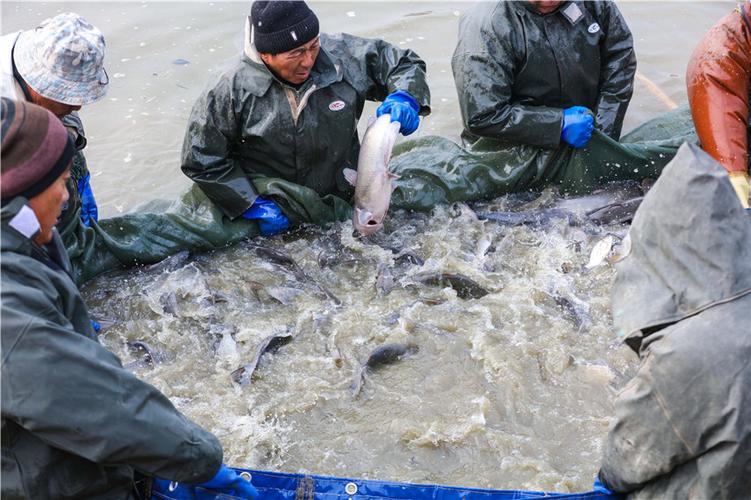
{"type": "Point", "coordinates": [682, 298]}
{"type": "Point", "coordinates": [75, 424]}
{"type": "Point", "coordinates": [516, 69]}
{"type": "Point", "coordinates": [250, 125]}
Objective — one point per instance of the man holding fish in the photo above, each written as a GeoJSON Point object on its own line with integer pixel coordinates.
{"type": "Point", "coordinates": [287, 113]}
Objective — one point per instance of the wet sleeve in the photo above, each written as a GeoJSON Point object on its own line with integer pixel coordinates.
{"type": "Point", "coordinates": [643, 442]}
{"type": "Point", "coordinates": [719, 80]}
{"type": "Point", "coordinates": [618, 67]}
{"type": "Point", "coordinates": [72, 393]}
{"type": "Point", "coordinates": [379, 69]}
{"type": "Point", "coordinates": [484, 78]}
{"type": "Point", "coordinates": [207, 158]}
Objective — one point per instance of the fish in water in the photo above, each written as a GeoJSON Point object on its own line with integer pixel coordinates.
{"type": "Point", "coordinates": [408, 257]}
{"type": "Point", "coordinates": [384, 280]}
{"type": "Point", "coordinates": [381, 356]}
{"type": "Point", "coordinates": [615, 203]}
{"type": "Point", "coordinates": [466, 288]}
{"type": "Point", "coordinates": [534, 218]}
{"type": "Point", "coordinates": [607, 250]}
{"type": "Point", "coordinates": [372, 180]}
{"type": "Point", "coordinates": [148, 355]}
{"type": "Point", "coordinates": [616, 213]}
{"type": "Point", "coordinates": [285, 295]}
{"type": "Point", "coordinates": [243, 374]}
{"type": "Point", "coordinates": [171, 263]}
{"type": "Point", "coordinates": [576, 310]}
{"type": "Point", "coordinates": [289, 263]}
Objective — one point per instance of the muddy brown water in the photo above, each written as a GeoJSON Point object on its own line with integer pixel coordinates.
{"type": "Point", "coordinates": [510, 390]}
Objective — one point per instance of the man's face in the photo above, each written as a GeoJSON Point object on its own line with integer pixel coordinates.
{"type": "Point", "coordinates": [56, 108]}
{"type": "Point", "coordinates": [48, 205]}
{"type": "Point", "coordinates": [294, 65]}
{"type": "Point", "coordinates": [546, 6]}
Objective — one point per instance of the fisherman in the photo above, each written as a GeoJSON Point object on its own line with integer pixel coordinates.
{"type": "Point", "coordinates": [682, 300]}
{"type": "Point", "coordinates": [543, 88]}
{"type": "Point", "coordinates": [75, 423]}
{"type": "Point", "coordinates": [59, 66]}
{"type": "Point", "coordinates": [719, 92]}
{"type": "Point", "coordinates": [543, 73]}
{"type": "Point", "coordinates": [289, 110]}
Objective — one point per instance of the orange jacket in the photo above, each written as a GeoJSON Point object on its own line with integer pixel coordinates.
{"type": "Point", "coordinates": [719, 81]}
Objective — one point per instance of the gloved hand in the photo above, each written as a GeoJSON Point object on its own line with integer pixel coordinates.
{"type": "Point", "coordinates": [226, 481]}
{"type": "Point", "coordinates": [403, 108]}
{"type": "Point", "coordinates": [578, 125]}
{"type": "Point", "coordinates": [739, 180]}
{"type": "Point", "coordinates": [89, 209]}
{"type": "Point", "coordinates": [271, 219]}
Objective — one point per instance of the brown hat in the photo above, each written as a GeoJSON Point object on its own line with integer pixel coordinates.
{"type": "Point", "coordinates": [36, 149]}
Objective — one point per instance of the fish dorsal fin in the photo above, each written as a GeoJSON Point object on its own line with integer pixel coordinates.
{"type": "Point", "coordinates": [350, 175]}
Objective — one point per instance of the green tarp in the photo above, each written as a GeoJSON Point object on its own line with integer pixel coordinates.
{"type": "Point", "coordinates": [433, 170]}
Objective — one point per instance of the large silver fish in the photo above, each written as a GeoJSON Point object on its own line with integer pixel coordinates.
{"type": "Point", "coordinates": [372, 180]}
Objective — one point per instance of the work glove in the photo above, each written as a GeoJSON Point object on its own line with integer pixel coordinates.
{"type": "Point", "coordinates": [228, 482]}
{"type": "Point", "coordinates": [403, 109]}
{"type": "Point", "coordinates": [225, 482]}
{"type": "Point", "coordinates": [271, 219]}
{"type": "Point", "coordinates": [739, 180]}
{"type": "Point", "coordinates": [578, 125]}
{"type": "Point", "coordinates": [89, 211]}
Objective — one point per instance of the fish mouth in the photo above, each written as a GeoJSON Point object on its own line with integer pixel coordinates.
{"type": "Point", "coordinates": [365, 222]}
{"type": "Point", "coordinates": [372, 226]}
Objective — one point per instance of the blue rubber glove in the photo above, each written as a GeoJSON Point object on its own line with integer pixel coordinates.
{"type": "Point", "coordinates": [89, 209]}
{"type": "Point", "coordinates": [403, 109]}
{"type": "Point", "coordinates": [599, 487]}
{"type": "Point", "coordinates": [578, 125]}
{"type": "Point", "coordinates": [228, 482]}
{"type": "Point", "coordinates": [271, 219]}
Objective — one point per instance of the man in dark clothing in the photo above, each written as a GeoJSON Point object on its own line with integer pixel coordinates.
{"type": "Point", "coordinates": [75, 424]}
{"type": "Point", "coordinates": [289, 110]}
{"type": "Point", "coordinates": [533, 73]}
{"type": "Point", "coordinates": [59, 66]}
{"type": "Point", "coordinates": [682, 300]}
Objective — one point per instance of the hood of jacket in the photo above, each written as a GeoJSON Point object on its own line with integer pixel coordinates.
{"type": "Point", "coordinates": [690, 248]}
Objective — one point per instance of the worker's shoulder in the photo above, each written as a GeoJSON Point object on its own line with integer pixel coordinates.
{"type": "Point", "coordinates": [244, 76]}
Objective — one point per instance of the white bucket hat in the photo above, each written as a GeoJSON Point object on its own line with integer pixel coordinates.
{"type": "Point", "coordinates": [63, 60]}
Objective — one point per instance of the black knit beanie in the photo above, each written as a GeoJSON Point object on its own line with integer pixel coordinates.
{"type": "Point", "coordinates": [279, 26]}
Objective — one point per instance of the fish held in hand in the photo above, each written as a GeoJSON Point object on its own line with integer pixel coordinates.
{"type": "Point", "coordinates": [372, 180]}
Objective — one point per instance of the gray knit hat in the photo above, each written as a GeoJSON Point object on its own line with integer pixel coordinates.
{"type": "Point", "coordinates": [63, 60]}
{"type": "Point", "coordinates": [280, 26]}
